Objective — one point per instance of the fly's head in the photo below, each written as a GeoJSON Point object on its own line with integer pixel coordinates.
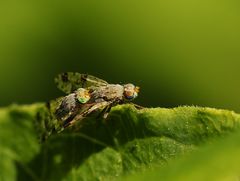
{"type": "Point", "coordinates": [83, 95]}
{"type": "Point", "coordinates": [130, 91]}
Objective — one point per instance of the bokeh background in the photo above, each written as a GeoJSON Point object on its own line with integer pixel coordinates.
{"type": "Point", "coordinates": [183, 52]}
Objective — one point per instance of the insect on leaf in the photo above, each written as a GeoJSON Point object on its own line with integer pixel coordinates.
{"type": "Point", "coordinates": [71, 81]}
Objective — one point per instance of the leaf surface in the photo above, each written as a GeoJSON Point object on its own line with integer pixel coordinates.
{"type": "Point", "coordinates": [129, 142]}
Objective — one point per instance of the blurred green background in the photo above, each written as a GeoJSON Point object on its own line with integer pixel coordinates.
{"type": "Point", "coordinates": [181, 52]}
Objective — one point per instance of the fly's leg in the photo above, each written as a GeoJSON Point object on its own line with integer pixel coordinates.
{"type": "Point", "coordinates": [137, 106]}
{"type": "Point", "coordinates": [101, 114]}
{"type": "Point", "coordinates": [69, 121]}
{"type": "Point", "coordinates": [80, 113]}
{"type": "Point", "coordinates": [104, 113]}
{"type": "Point", "coordinates": [80, 116]}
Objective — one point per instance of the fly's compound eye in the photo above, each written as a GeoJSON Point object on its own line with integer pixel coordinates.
{"type": "Point", "coordinates": [130, 91]}
{"type": "Point", "coordinates": [83, 95]}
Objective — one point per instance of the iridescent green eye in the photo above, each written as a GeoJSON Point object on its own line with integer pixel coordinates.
{"type": "Point", "coordinates": [83, 99]}
{"type": "Point", "coordinates": [83, 95]}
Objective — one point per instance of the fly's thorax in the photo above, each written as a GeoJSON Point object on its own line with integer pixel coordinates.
{"type": "Point", "coordinates": [82, 95]}
{"type": "Point", "coordinates": [108, 92]}
{"type": "Point", "coordinates": [130, 91]}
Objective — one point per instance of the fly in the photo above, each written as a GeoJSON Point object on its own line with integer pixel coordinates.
{"type": "Point", "coordinates": [87, 94]}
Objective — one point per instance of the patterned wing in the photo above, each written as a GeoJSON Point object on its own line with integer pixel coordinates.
{"type": "Point", "coordinates": [71, 81]}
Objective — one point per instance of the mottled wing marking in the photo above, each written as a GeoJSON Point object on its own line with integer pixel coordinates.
{"type": "Point", "coordinates": [71, 81]}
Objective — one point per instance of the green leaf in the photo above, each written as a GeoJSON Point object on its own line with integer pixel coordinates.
{"type": "Point", "coordinates": [129, 142]}
{"type": "Point", "coordinates": [218, 161]}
